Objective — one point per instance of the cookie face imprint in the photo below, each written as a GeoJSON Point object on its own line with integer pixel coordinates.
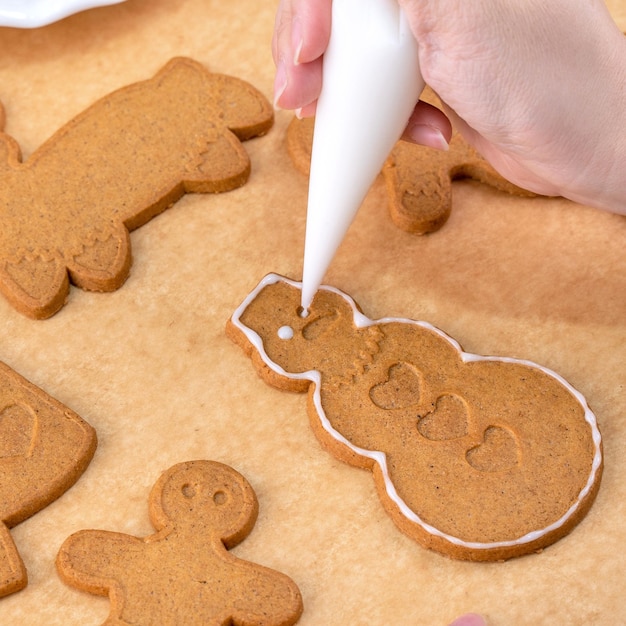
{"type": "Point", "coordinates": [184, 573]}
{"type": "Point", "coordinates": [481, 458]}
{"type": "Point", "coordinates": [44, 449]}
{"type": "Point", "coordinates": [67, 210]}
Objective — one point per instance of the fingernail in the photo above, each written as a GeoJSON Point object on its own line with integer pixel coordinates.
{"type": "Point", "coordinates": [280, 81]}
{"type": "Point", "coordinates": [296, 39]}
{"type": "Point", "coordinates": [428, 136]}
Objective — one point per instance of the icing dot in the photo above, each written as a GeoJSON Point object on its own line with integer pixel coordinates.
{"type": "Point", "coordinates": [285, 332]}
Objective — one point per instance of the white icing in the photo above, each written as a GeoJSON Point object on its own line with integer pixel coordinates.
{"type": "Point", "coordinates": [379, 457]}
{"type": "Point", "coordinates": [285, 332]}
{"type": "Point", "coordinates": [372, 81]}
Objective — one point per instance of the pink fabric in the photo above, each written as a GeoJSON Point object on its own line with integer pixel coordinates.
{"type": "Point", "coordinates": [470, 619]}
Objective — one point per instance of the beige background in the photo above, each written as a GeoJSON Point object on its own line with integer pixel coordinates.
{"type": "Point", "coordinates": [150, 368]}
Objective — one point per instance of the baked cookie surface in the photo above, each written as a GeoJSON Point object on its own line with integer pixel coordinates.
{"type": "Point", "coordinates": [418, 179]}
{"type": "Point", "coordinates": [184, 574]}
{"type": "Point", "coordinates": [44, 449]}
{"type": "Point", "coordinates": [480, 458]}
{"type": "Point", "coordinates": [67, 210]}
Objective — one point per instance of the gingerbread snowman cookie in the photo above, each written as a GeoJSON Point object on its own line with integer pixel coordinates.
{"type": "Point", "coordinates": [479, 458]}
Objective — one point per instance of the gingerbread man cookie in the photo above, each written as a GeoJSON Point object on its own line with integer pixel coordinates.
{"type": "Point", "coordinates": [44, 449]}
{"type": "Point", "coordinates": [67, 210]}
{"type": "Point", "coordinates": [480, 458]}
{"type": "Point", "coordinates": [184, 573]}
{"type": "Point", "coordinates": [418, 179]}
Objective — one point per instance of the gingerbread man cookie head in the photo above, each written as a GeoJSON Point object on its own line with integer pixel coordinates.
{"type": "Point", "coordinates": [207, 491]}
{"type": "Point", "coordinates": [481, 458]}
{"type": "Point", "coordinates": [242, 109]}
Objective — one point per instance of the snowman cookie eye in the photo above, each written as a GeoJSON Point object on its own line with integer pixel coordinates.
{"type": "Point", "coordinates": [285, 332]}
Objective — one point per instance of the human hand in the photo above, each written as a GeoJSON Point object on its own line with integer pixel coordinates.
{"type": "Point", "coordinates": [539, 89]}
{"type": "Point", "coordinates": [301, 36]}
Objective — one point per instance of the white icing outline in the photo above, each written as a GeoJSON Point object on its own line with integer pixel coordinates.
{"type": "Point", "coordinates": [379, 457]}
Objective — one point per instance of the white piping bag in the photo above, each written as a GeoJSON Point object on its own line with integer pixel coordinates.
{"type": "Point", "coordinates": [371, 83]}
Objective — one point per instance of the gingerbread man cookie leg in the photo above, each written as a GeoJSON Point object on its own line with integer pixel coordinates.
{"type": "Point", "coordinates": [44, 449]}
{"type": "Point", "coordinates": [479, 458]}
{"type": "Point", "coordinates": [13, 575]}
{"type": "Point", "coordinates": [418, 179]}
{"type": "Point", "coordinates": [419, 182]}
{"type": "Point", "coordinates": [102, 261]}
{"type": "Point", "coordinates": [184, 573]}
{"type": "Point", "coordinates": [70, 206]}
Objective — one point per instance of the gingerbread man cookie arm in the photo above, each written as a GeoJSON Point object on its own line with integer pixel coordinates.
{"type": "Point", "coordinates": [77, 566]}
{"type": "Point", "coordinates": [242, 108]}
{"type": "Point", "coordinates": [10, 152]}
{"type": "Point", "coordinates": [276, 600]}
